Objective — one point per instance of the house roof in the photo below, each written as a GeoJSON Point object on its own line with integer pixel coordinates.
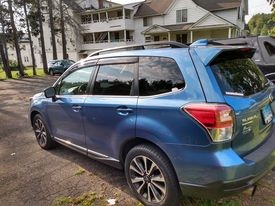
{"type": "Point", "coordinates": [216, 5]}
{"type": "Point", "coordinates": [159, 7]}
{"type": "Point", "coordinates": [153, 8]}
{"type": "Point", "coordinates": [178, 27]}
{"type": "Point", "coordinates": [167, 28]}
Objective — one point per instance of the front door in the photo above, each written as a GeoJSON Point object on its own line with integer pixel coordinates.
{"type": "Point", "coordinates": [110, 113]}
{"type": "Point", "coordinates": [65, 113]}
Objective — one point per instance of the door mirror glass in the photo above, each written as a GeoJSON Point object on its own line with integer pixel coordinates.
{"type": "Point", "coordinates": [50, 92]}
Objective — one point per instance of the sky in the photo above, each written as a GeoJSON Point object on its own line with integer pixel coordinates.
{"type": "Point", "coordinates": [255, 6]}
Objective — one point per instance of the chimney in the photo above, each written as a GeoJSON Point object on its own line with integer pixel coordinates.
{"type": "Point", "coordinates": [100, 4]}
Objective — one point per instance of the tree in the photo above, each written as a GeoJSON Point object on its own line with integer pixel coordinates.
{"type": "Point", "coordinates": [3, 23]}
{"type": "Point", "coordinates": [41, 31]}
{"type": "Point", "coordinates": [262, 24]}
{"type": "Point", "coordinates": [62, 29]}
{"type": "Point", "coordinates": [52, 26]}
{"type": "Point", "coordinates": [15, 39]}
{"type": "Point", "coordinates": [30, 37]}
{"type": "Point", "coordinates": [3, 56]}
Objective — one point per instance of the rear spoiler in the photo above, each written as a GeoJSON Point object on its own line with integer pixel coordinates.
{"type": "Point", "coordinates": [210, 54]}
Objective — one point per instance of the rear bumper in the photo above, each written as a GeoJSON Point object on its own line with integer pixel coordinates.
{"type": "Point", "coordinates": [215, 173]}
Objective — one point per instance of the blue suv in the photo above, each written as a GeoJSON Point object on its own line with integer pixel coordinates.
{"type": "Point", "coordinates": [195, 120]}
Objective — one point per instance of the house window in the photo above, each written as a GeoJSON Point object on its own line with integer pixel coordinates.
{"type": "Point", "coordinates": [181, 15]}
{"type": "Point", "coordinates": [148, 39]}
{"type": "Point", "coordinates": [147, 21]}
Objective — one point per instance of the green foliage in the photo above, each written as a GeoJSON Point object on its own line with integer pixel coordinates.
{"type": "Point", "coordinates": [87, 199]}
{"type": "Point", "coordinates": [262, 24]}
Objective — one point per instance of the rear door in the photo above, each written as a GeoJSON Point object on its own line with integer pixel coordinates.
{"type": "Point", "coordinates": [249, 93]}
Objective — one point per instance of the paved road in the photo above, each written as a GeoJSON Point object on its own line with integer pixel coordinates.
{"type": "Point", "coordinates": [32, 176]}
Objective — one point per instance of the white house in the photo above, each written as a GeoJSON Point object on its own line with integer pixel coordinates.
{"type": "Point", "coordinates": [104, 24]}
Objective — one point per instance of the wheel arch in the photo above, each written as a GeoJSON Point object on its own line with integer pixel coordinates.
{"type": "Point", "coordinates": [131, 143]}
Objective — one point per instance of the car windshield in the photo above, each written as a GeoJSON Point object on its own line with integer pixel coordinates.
{"type": "Point", "coordinates": [239, 76]}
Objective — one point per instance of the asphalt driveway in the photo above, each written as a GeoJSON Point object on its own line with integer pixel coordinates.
{"type": "Point", "coordinates": [32, 176]}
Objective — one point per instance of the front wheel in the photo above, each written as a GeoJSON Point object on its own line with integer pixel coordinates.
{"type": "Point", "coordinates": [51, 72]}
{"type": "Point", "coordinates": [151, 176]}
{"type": "Point", "coordinates": [42, 134]}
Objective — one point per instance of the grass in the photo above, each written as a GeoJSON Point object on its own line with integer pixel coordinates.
{"type": "Point", "coordinates": [80, 171]}
{"type": "Point", "coordinates": [86, 199]}
{"type": "Point", "coordinates": [15, 74]}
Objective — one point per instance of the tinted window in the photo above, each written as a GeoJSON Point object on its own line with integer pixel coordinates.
{"type": "Point", "coordinates": [76, 83]}
{"type": "Point", "coordinates": [158, 75]}
{"type": "Point", "coordinates": [270, 48]}
{"type": "Point", "coordinates": [239, 76]}
{"type": "Point", "coordinates": [115, 79]}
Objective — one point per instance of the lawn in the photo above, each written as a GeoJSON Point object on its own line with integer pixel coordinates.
{"type": "Point", "coordinates": [28, 71]}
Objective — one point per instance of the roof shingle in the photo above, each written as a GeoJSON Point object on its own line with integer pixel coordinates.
{"type": "Point", "coordinates": [159, 7]}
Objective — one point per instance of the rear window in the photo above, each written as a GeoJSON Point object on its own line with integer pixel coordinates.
{"type": "Point", "coordinates": [239, 76]}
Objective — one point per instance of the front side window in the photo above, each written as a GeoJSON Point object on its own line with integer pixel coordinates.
{"type": "Point", "coordinates": [115, 79]}
{"type": "Point", "coordinates": [158, 75]}
{"type": "Point", "coordinates": [76, 83]}
{"type": "Point", "coordinates": [181, 15]}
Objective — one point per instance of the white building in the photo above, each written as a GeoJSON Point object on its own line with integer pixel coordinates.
{"type": "Point", "coordinates": [104, 24]}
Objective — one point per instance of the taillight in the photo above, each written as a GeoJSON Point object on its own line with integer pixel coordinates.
{"type": "Point", "coordinates": [216, 118]}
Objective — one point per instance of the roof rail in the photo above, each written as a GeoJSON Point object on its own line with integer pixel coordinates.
{"type": "Point", "coordinates": [161, 44]}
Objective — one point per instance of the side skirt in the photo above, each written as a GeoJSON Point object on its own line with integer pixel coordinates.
{"type": "Point", "coordinates": [90, 153]}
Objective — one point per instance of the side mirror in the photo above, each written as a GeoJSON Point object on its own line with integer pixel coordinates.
{"type": "Point", "coordinates": [50, 92]}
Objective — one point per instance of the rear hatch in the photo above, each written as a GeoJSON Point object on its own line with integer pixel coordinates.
{"type": "Point", "coordinates": [249, 93]}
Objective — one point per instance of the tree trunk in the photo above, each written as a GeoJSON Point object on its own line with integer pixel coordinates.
{"type": "Point", "coordinates": [5, 62]}
{"type": "Point", "coordinates": [43, 55]}
{"type": "Point", "coordinates": [15, 39]}
{"type": "Point", "coordinates": [63, 35]}
{"type": "Point", "coordinates": [50, 6]}
{"type": "Point", "coordinates": [30, 39]}
{"type": "Point", "coordinates": [4, 38]}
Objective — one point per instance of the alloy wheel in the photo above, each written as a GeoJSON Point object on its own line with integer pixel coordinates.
{"type": "Point", "coordinates": [147, 179]}
{"type": "Point", "coordinates": [40, 133]}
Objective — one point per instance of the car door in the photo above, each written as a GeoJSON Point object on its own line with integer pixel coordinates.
{"type": "Point", "coordinates": [65, 113]}
{"type": "Point", "coordinates": [110, 112]}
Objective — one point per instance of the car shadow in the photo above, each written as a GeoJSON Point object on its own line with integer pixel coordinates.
{"type": "Point", "coordinates": [111, 175]}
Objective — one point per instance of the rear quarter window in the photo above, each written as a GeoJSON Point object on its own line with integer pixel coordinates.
{"type": "Point", "coordinates": [159, 75]}
{"type": "Point", "coordinates": [239, 77]}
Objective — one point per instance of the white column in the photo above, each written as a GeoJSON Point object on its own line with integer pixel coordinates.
{"type": "Point", "coordinates": [125, 36]}
{"type": "Point", "coordinates": [94, 38]}
{"type": "Point", "coordinates": [169, 36]}
{"type": "Point", "coordinates": [229, 32]}
{"type": "Point", "coordinates": [109, 37]}
{"type": "Point", "coordinates": [107, 17]}
{"type": "Point", "coordinates": [98, 17]}
{"type": "Point", "coordinates": [123, 12]}
{"type": "Point", "coordinates": [191, 36]}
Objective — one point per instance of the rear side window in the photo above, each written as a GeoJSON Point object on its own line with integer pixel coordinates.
{"type": "Point", "coordinates": [158, 75]}
{"type": "Point", "coordinates": [270, 49]}
{"type": "Point", "coordinates": [115, 79]}
{"type": "Point", "coordinates": [239, 76]}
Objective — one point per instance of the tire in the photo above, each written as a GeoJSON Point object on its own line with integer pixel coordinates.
{"type": "Point", "coordinates": [42, 134]}
{"type": "Point", "coordinates": [51, 72]}
{"type": "Point", "coordinates": [159, 179]}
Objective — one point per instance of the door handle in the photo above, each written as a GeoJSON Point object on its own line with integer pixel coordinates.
{"type": "Point", "coordinates": [76, 108]}
{"type": "Point", "coordinates": [124, 111]}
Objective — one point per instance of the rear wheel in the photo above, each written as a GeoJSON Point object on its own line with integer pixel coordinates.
{"type": "Point", "coordinates": [42, 134]}
{"type": "Point", "coordinates": [151, 176]}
